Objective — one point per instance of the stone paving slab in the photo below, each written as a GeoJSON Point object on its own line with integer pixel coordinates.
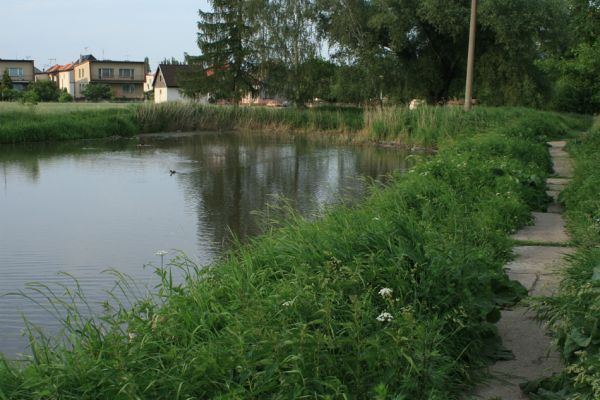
{"type": "Point", "coordinates": [558, 152]}
{"type": "Point", "coordinates": [553, 186]}
{"type": "Point", "coordinates": [563, 167]}
{"type": "Point", "coordinates": [530, 345]}
{"type": "Point", "coordinates": [555, 208]}
{"type": "Point", "coordinates": [538, 267]}
{"type": "Point", "coordinates": [559, 181]}
{"type": "Point", "coordinates": [554, 194]}
{"type": "Point", "coordinates": [547, 228]}
{"type": "Point", "coordinates": [558, 143]}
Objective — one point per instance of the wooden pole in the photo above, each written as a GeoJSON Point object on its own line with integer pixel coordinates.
{"type": "Point", "coordinates": [471, 57]}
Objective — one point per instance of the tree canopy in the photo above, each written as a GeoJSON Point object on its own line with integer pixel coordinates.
{"type": "Point", "coordinates": [529, 52]}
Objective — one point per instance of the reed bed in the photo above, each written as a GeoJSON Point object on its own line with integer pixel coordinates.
{"type": "Point", "coordinates": [394, 298]}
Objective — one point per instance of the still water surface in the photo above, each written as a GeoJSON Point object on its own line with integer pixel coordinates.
{"type": "Point", "coordinates": [84, 207]}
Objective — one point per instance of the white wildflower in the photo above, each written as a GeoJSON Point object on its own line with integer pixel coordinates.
{"type": "Point", "coordinates": [386, 293]}
{"type": "Point", "coordinates": [385, 317]}
{"type": "Point", "coordinates": [376, 219]}
{"type": "Point", "coordinates": [132, 336]}
{"type": "Point", "coordinates": [288, 303]}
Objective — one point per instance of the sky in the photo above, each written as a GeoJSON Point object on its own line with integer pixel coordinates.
{"type": "Point", "coordinates": [58, 31]}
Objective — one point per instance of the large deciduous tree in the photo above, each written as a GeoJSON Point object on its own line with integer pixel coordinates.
{"type": "Point", "coordinates": [426, 40]}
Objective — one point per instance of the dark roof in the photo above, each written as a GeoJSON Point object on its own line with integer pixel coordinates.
{"type": "Point", "coordinates": [2, 59]}
{"type": "Point", "coordinates": [170, 73]}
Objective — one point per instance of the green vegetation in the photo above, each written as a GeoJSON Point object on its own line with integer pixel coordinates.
{"type": "Point", "coordinates": [393, 298]}
{"type": "Point", "coordinates": [28, 125]}
{"type": "Point", "coordinates": [171, 117]}
{"type": "Point", "coordinates": [536, 53]}
{"type": "Point", "coordinates": [97, 92]}
{"type": "Point", "coordinates": [574, 314]}
{"type": "Point", "coordinates": [426, 126]}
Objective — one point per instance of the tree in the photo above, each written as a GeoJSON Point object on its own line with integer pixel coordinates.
{"type": "Point", "coordinates": [44, 90]}
{"type": "Point", "coordinates": [172, 61]}
{"type": "Point", "coordinates": [6, 87]}
{"type": "Point", "coordinates": [226, 41]}
{"type": "Point", "coordinates": [97, 92]}
{"type": "Point", "coordinates": [426, 41]}
{"type": "Point", "coordinates": [147, 65]}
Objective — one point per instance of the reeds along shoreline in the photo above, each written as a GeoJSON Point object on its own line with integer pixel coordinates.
{"type": "Point", "coordinates": [395, 297]}
{"type": "Point", "coordinates": [426, 126]}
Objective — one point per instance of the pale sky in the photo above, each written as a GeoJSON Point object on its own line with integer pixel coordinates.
{"type": "Point", "coordinates": [120, 29]}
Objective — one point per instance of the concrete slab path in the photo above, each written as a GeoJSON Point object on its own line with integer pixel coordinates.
{"type": "Point", "coordinates": [536, 266]}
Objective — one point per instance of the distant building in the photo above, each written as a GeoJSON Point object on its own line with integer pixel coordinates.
{"type": "Point", "coordinates": [166, 83]}
{"type": "Point", "coordinates": [148, 86]}
{"type": "Point", "coordinates": [21, 72]}
{"type": "Point", "coordinates": [125, 78]}
{"type": "Point", "coordinates": [66, 78]}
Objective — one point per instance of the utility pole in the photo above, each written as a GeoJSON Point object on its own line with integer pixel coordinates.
{"type": "Point", "coordinates": [471, 57]}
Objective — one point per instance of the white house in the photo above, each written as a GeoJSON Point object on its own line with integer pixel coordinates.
{"type": "Point", "coordinates": [166, 85]}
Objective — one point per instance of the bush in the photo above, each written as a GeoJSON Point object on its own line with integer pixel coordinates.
{"type": "Point", "coordinates": [64, 97]}
{"type": "Point", "coordinates": [44, 90]}
{"type": "Point", "coordinates": [97, 92]}
{"type": "Point", "coordinates": [29, 97]}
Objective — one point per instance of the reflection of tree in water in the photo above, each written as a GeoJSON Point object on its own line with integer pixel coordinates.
{"type": "Point", "coordinates": [238, 175]}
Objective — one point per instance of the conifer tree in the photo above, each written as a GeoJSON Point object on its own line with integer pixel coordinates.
{"type": "Point", "coordinates": [225, 38]}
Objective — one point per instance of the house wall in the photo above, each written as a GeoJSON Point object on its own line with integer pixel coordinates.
{"type": "Point", "coordinates": [20, 82]}
{"type": "Point", "coordinates": [89, 72]}
{"type": "Point", "coordinates": [164, 94]}
{"type": "Point", "coordinates": [42, 77]}
{"type": "Point", "coordinates": [66, 81]}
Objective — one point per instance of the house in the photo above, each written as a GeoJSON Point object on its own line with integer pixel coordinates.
{"type": "Point", "coordinates": [66, 78]}
{"type": "Point", "coordinates": [125, 78]}
{"type": "Point", "coordinates": [166, 82]}
{"type": "Point", "coordinates": [21, 72]}
{"type": "Point", "coordinates": [148, 83]}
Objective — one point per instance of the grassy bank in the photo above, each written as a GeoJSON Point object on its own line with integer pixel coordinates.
{"type": "Point", "coordinates": [426, 126]}
{"type": "Point", "coordinates": [394, 298]}
{"type": "Point", "coordinates": [574, 315]}
{"type": "Point", "coordinates": [33, 125]}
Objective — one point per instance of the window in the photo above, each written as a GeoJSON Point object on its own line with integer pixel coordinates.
{"type": "Point", "coordinates": [15, 72]}
{"type": "Point", "coordinates": [128, 88]}
{"type": "Point", "coordinates": [80, 72]}
{"type": "Point", "coordinates": [126, 73]}
{"type": "Point", "coordinates": [106, 73]}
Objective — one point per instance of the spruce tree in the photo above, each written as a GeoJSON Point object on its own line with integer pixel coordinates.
{"type": "Point", "coordinates": [226, 39]}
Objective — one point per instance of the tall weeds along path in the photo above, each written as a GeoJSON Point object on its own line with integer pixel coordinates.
{"type": "Point", "coordinates": [536, 266]}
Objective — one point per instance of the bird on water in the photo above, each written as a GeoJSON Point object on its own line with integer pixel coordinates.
{"type": "Point", "coordinates": [171, 172]}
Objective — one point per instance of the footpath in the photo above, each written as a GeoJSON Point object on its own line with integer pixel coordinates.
{"type": "Point", "coordinates": [540, 252]}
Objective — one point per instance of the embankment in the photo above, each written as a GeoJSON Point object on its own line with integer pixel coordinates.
{"type": "Point", "coordinates": [393, 298]}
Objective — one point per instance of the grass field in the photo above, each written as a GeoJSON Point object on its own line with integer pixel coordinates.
{"type": "Point", "coordinates": [51, 108]}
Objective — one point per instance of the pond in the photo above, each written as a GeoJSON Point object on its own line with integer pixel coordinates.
{"type": "Point", "coordinates": [84, 207]}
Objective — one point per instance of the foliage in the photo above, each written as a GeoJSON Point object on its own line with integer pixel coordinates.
{"type": "Point", "coordinates": [44, 90]}
{"type": "Point", "coordinates": [30, 126]}
{"type": "Point", "coordinates": [29, 97]}
{"type": "Point", "coordinates": [97, 92]}
{"type": "Point", "coordinates": [64, 97]}
{"type": "Point", "coordinates": [225, 40]}
{"type": "Point", "coordinates": [6, 87]}
{"type": "Point", "coordinates": [171, 117]}
{"type": "Point", "coordinates": [301, 312]}
{"type": "Point", "coordinates": [574, 313]}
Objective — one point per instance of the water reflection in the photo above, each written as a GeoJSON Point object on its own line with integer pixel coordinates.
{"type": "Point", "coordinates": [84, 207]}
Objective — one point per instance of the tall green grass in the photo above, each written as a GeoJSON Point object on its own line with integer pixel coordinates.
{"type": "Point", "coordinates": [170, 117]}
{"type": "Point", "coordinates": [299, 312]}
{"type": "Point", "coordinates": [31, 126]}
{"type": "Point", "coordinates": [430, 126]}
{"type": "Point", "coordinates": [574, 314]}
